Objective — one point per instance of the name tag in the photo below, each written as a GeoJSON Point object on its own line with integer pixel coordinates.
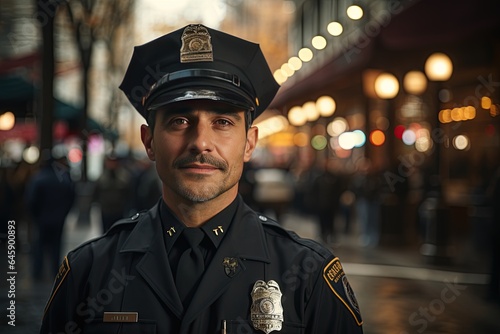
{"type": "Point", "coordinates": [120, 317]}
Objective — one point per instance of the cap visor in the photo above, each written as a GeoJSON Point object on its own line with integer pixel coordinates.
{"type": "Point", "coordinates": [210, 94]}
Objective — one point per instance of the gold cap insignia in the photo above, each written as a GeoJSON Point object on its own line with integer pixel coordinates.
{"type": "Point", "coordinates": [196, 44]}
{"type": "Point", "coordinates": [266, 312]}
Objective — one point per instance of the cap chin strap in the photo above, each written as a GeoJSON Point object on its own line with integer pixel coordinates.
{"type": "Point", "coordinates": [232, 79]}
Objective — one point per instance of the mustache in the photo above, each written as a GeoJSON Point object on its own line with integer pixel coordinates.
{"type": "Point", "coordinates": [202, 159]}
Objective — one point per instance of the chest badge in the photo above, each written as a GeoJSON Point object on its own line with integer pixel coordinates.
{"type": "Point", "coordinates": [266, 312]}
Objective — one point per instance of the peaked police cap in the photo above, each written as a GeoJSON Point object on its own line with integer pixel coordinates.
{"type": "Point", "coordinates": [199, 63]}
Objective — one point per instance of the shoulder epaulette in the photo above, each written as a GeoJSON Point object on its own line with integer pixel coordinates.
{"type": "Point", "coordinates": [311, 244]}
{"type": "Point", "coordinates": [120, 225]}
{"type": "Point", "coordinates": [125, 223]}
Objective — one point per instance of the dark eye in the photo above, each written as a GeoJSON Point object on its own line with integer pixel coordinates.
{"type": "Point", "coordinates": [177, 123]}
{"type": "Point", "coordinates": [223, 122]}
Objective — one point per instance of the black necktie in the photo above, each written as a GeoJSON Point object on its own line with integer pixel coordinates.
{"type": "Point", "coordinates": [191, 264]}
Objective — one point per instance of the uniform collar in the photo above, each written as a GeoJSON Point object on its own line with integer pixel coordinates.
{"type": "Point", "coordinates": [245, 240]}
{"type": "Point", "coordinates": [215, 228]}
{"type": "Point", "coordinates": [246, 236]}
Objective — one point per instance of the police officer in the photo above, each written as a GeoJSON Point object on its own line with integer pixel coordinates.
{"type": "Point", "coordinates": [200, 261]}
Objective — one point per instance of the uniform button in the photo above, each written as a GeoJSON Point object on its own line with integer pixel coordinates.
{"type": "Point", "coordinates": [264, 219]}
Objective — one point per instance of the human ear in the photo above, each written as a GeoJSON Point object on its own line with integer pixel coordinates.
{"type": "Point", "coordinates": [147, 141]}
{"type": "Point", "coordinates": [252, 137]}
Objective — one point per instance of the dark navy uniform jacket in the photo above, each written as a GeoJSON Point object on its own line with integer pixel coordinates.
{"type": "Point", "coordinates": [127, 271]}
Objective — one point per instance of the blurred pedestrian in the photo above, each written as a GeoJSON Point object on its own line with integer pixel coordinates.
{"type": "Point", "coordinates": [366, 185]}
{"type": "Point", "coordinates": [7, 201]}
{"type": "Point", "coordinates": [50, 195]}
{"type": "Point", "coordinates": [324, 199]}
{"type": "Point", "coordinates": [493, 193]}
{"type": "Point", "coordinates": [113, 192]}
{"type": "Point", "coordinates": [147, 186]}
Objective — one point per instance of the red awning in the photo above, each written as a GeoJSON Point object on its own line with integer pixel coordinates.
{"type": "Point", "coordinates": [28, 132]}
{"type": "Point", "coordinates": [7, 65]}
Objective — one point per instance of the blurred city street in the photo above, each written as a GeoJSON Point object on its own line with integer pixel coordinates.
{"type": "Point", "coordinates": [382, 142]}
{"type": "Point", "coordinates": [398, 292]}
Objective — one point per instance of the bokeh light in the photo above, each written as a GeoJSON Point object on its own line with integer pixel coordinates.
{"type": "Point", "coordinates": [461, 142]}
{"type": "Point", "coordinates": [377, 137]}
{"type": "Point", "coordinates": [312, 113]}
{"type": "Point", "coordinates": [354, 12]}
{"type": "Point", "coordinates": [438, 67]}
{"type": "Point", "coordinates": [296, 116]}
{"type": "Point", "coordinates": [301, 139]}
{"type": "Point", "coordinates": [7, 121]}
{"type": "Point", "coordinates": [75, 155]}
{"type": "Point", "coordinates": [409, 137]}
{"type": "Point", "coordinates": [31, 154]}
{"type": "Point", "coordinates": [326, 105]}
{"type": "Point", "coordinates": [415, 82]}
{"type": "Point", "coordinates": [305, 54]}
{"type": "Point", "coordinates": [319, 142]}
{"type": "Point", "coordinates": [398, 131]}
{"type": "Point", "coordinates": [319, 42]}
{"type": "Point", "coordinates": [335, 28]}
{"type": "Point", "coordinates": [386, 86]}
{"type": "Point", "coordinates": [337, 126]}
{"type": "Point", "coordinates": [295, 63]}
{"type": "Point", "coordinates": [360, 138]}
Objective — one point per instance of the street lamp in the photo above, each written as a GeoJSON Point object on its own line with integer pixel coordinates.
{"type": "Point", "coordinates": [326, 105]}
{"type": "Point", "coordinates": [438, 68]}
{"type": "Point", "coordinates": [354, 12]}
{"type": "Point", "coordinates": [7, 121]}
{"type": "Point", "coordinates": [415, 82]}
{"type": "Point", "coordinates": [386, 86]}
{"type": "Point", "coordinates": [311, 111]}
{"type": "Point", "coordinates": [335, 27]}
{"type": "Point", "coordinates": [296, 116]}
{"type": "Point", "coordinates": [318, 42]}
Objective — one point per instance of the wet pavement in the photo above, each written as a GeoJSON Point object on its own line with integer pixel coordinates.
{"type": "Point", "coordinates": [397, 290]}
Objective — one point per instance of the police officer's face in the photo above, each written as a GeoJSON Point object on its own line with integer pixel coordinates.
{"type": "Point", "coordinates": [199, 148]}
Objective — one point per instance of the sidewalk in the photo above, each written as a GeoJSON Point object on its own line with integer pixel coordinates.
{"type": "Point", "coordinates": [348, 249]}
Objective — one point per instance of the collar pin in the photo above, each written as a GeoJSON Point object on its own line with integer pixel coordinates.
{"type": "Point", "coordinates": [216, 230]}
{"type": "Point", "coordinates": [171, 231]}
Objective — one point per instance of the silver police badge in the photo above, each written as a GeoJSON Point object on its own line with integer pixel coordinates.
{"type": "Point", "coordinates": [266, 312]}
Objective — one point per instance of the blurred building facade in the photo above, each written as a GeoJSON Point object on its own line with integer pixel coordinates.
{"type": "Point", "coordinates": [427, 131]}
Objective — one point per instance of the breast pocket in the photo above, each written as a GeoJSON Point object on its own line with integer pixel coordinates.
{"type": "Point", "coordinates": [244, 326]}
{"type": "Point", "coordinates": [141, 327]}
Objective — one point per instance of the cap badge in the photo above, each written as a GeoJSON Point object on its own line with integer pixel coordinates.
{"type": "Point", "coordinates": [196, 44]}
{"type": "Point", "coordinates": [266, 312]}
